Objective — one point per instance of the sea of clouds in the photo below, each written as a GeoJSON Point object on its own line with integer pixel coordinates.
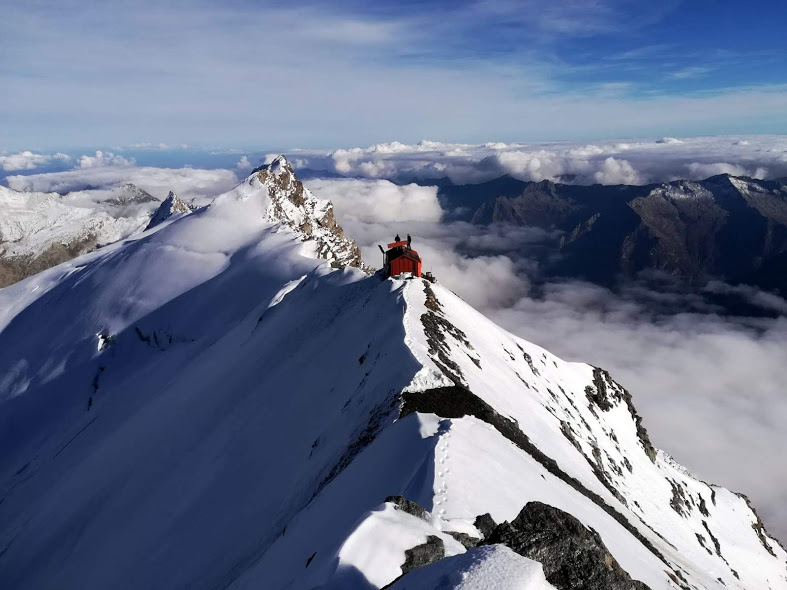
{"type": "Point", "coordinates": [613, 162]}
{"type": "Point", "coordinates": [710, 387]}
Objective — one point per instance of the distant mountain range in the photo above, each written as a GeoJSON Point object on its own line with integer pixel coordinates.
{"type": "Point", "coordinates": [729, 228]}
{"type": "Point", "coordinates": [725, 227]}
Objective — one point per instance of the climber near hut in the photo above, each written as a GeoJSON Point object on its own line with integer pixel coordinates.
{"type": "Point", "coordinates": [400, 258]}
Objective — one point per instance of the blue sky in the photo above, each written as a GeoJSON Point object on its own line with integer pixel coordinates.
{"type": "Point", "coordinates": [245, 74]}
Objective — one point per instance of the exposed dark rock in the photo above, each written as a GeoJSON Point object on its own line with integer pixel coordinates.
{"type": "Point", "coordinates": [160, 339]}
{"type": "Point", "coordinates": [703, 507]}
{"type": "Point", "coordinates": [424, 554]}
{"type": "Point", "coordinates": [436, 327]}
{"type": "Point", "coordinates": [308, 561]}
{"type": "Point", "coordinates": [678, 501]}
{"type": "Point", "coordinates": [716, 544]}
{"type": "Point", "coordinates": [568, 432]}
{"type": "Point", "coordinates": [529, 361]}
{"type": "Point", "coordinates": [573, 556]}
{"type": "Point", "coordinates": [96, 377]}
{"type": "Point", "coordinates": [408, 506]}
{"type": "Point", "coordinates": [600, 376]}
{"type": "Point", "coordinates": [680, 580]}
{"type": "Point", "coordinates": [600, 395]}
{"type": "Point", "coordinates": [466, 540]}
{"type": "Point", "coordinates": [602, 474]}
{"type": "Point", "coordinates": [485, 524]}
{"type": "Point", "coordinates": [701, 541]}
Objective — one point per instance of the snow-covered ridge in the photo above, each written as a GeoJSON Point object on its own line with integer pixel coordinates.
{"type": "Point", "coordinates": [204, 406]}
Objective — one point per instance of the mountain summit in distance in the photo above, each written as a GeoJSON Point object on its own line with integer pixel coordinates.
{"type": "Point", "coordinates": [229, 400]}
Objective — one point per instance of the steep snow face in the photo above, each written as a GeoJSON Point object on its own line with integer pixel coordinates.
{"type": "Point", "coordinates": [207, 405]}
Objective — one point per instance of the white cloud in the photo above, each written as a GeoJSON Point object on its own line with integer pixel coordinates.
{"type": "Point", "coordinates": [104, 159]}
{"type": "Point", "coordinates": [159, 147]}
{"type": "Point", "coordinates": [186, 182]}
{"type": "Point", "coordinates": [378, 201]}
{"type": "Point", "coordinates": [28, 160]}
{"type": "Point", "coordinates": [697, 170]}
{"type": "Point", "coordinates": [616, 172]}
{"type": "Point", "coordinates": [244, 164]}
{"type": "Point", "coordinates": [633, 161]}
{"type": "Point", "coordinates": [690, 72]}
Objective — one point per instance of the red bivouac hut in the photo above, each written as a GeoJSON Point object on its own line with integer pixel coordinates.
{"type": "Point", "coordinates": [401, 258]}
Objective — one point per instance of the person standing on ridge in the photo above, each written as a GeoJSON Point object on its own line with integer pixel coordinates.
{"type": "Point", "coordinates": [397, 238]}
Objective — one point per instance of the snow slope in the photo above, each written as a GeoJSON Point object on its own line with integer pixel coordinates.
{"type": "Point", "coordinates": [209, 405]}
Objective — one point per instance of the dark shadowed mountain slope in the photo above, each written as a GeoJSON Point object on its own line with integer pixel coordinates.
{"type": "Point", "coordinates": [724, 227]}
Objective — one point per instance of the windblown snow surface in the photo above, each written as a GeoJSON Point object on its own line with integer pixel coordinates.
{"type": "Point", "coordinates": [252, 408]}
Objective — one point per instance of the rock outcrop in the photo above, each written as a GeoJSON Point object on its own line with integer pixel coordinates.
{"type": "Point", "coordinates": [170, 206]}
{"type": "Point", "coordinates": [573, 556]}
{"type": "Point", "coordinates": [293, 204]}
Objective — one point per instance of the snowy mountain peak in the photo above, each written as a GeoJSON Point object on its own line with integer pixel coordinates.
{"type": "Point", "coordinates": [279, 164]}
{"type": "Point", "coordinates": [293, 204]}
{"type": "Point", "coordinates": [130, 193]}
{"type": "Point", "coordinates": [170, 206]}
